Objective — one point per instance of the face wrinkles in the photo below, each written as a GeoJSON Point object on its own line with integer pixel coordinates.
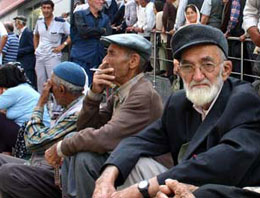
{"type": "Point", "coordinates": [118, 59]}
{"type": "Point", "coordinates": [202, 87]}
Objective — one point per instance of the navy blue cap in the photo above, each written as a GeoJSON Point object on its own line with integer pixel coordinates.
{"type": "Point", "coordinates": [132, 41]}
{"type": "Point", "coordinates": [70, 72]}
{"type": "Point", "coordinates": [197, 34]}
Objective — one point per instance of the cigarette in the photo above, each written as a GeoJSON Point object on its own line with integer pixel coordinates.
{"type": "Point", "coordinates": [95, 69]}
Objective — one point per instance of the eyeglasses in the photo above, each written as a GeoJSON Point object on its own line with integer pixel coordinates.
{"type": "Point", "coordinates": [204, 68]}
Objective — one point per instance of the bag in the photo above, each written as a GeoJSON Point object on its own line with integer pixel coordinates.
{"type": "Point", "coordinates": [20, 150]}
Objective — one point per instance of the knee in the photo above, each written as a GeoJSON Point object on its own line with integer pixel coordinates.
{"type": "Point", "coordinates": [84, 160]}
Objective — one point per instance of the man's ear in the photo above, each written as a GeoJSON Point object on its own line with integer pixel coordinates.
{"type": "Point", "coordinates": [62, 89]}
{"type": "Point", "coordinates": [135, 60]}
{"type": "Point", "coordinates": [227, 69]}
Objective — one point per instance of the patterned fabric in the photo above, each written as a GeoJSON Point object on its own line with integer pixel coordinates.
{"type": "Point", "coordinates": [38, 137]}
{"type": "Point", "coordinates": [11, 48]}
{"type": "Point", "coordinates": [235, 12]}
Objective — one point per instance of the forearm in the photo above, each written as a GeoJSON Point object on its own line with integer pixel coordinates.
{"type": "Point", "coordinates": [204, 19]}
{"type": "Point", "coordinates": [36, 41]}
{"type": "Point", "coordinates": [254, 35]}
{"type": "Point", "coordinates": [3, 42]}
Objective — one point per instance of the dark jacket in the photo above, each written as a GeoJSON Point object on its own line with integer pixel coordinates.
{"type": "Point", "coordinates": [223, 149]}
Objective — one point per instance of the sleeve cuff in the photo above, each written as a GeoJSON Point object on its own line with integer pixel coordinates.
{"type": "Point", "coordinates": [93, 96]}
{"type": "Point", "coordinates": [59, 152]}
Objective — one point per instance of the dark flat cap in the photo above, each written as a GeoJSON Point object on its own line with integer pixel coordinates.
{"type": "Point", "coordinates": [196, 34]}
{"type": "Point", "coordinates": [132, 41]}
{"type": "Point", "coordinates": [70, 72]}
{"type": "Point", "coordinates": [20, 17]}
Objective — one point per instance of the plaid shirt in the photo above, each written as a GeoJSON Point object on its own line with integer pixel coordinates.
{"type": "Point", "coordinates": [235, 12]}
{"type": "Point", "coordinates": [38, 137]}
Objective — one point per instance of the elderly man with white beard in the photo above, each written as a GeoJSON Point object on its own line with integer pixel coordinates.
{"type": "Point", "coordinates": [212, 128]}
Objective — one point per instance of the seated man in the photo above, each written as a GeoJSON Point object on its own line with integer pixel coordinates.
{"type": "Point", "coordinates": [133, 105]}
{"type": "Point", "coordinates": [35, 178]}
{"type": "Point", "coordinates": [212, 128]}
{"type": "Point", "coordinates": [173, 187]}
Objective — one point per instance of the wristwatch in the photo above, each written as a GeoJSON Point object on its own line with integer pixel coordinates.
{"type": "Point", "coordinates": [65, 43]}
{"type": "Point", "coordinates": [143, 188]}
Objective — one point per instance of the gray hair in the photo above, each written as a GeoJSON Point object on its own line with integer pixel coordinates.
{"type": "Point", "coordinates": [142, 63]}
{"type": "Point", "coordinates": [73, 89]}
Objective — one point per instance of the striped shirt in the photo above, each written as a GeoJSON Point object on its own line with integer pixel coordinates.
{"type": "Point", "coordinates": [38, 137]}
{"type": "Point", "coordinates": [10, 49]}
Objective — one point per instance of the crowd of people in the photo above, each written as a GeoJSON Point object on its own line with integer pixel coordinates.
{"type": "Point", "coordinates": [202, 143]}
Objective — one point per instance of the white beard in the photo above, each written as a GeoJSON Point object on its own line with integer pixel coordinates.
{"type": "Point", "coordinates": [201, 96]}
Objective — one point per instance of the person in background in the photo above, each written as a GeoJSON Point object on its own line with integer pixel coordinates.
{"type": "Point", "coordinates": [131, 12]}
{"type": "Point", "coordinates": [87, 27]}
{"type": "Point", "coordinates": [211, 12]}
{"type": "Point", "coordinates": [17, 101]}
{"type": "Point", "coordinates": [169, 15]}
{"type": "Point", "coordinates": [48, 34]}
{"type": "Point", "coordinates": [192, 14]}
{"type": "Point", "coordinates": [26, 50]}
{"type": "Point", "coordinates": [3, 39]}
{"type": "Point", "coordinates": [10, 49]}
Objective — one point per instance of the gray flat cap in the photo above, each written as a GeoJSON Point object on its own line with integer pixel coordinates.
{"type": "Point", "coordinates": [197, 34]}
{"type": "Point", "coordinates": [20, 17]}
{"type": "Point", "coordinates": [132, 41]}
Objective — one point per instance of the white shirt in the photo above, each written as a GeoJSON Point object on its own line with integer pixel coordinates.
{"type": "Point", "coordinates": [51, 37]}
{"type": "Point", "coordinates": [251, 14]}
{"type": "Point", "coordinates": [180, 18]}
{"type": "Point", "coordinates": [206, 7]}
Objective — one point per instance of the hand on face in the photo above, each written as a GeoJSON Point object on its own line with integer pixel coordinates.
{"type": "Point", "coordinates": [103, 78]}
{"type": "Point", "coordinates": [45, 93]}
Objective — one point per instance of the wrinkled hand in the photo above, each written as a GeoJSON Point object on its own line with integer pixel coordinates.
{"type": "Point", "coordinates": [242, 38]}
{"type": "Point", "coordinates": [52, 157]}
{"type": "Point", "coordinates": [103, 189]}
{"type": "Point", "coordinates": [45, 93]}
{"type": "Point", "coordinates": [180, 190]}
{"type": "Point", "coordinates": [103, 78]}
{"type": "Point", "coordinates": [130, 192]}
{"type": "Point", "coordinates": [58, 49]}
{"type": "Point", "coordinates": [129, 29]}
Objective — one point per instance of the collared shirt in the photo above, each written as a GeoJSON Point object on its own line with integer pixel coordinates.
{"type": "Point", "coordinates": [130, 12]}
{"type": "Point", "coordinates": [121, 93]}
{"type": "Point", "coordinates": [203, 112]}
{"type": "Point", "coordinates": [21, 32]}
{"type": "Point", "coordinates": [50, 37]}
{"type": "Point", "coordinates": [234, 14]}
{"type": "Point", "coordinates": [37, 135]}
{"type": "Point", "coordinates": [11, 48]}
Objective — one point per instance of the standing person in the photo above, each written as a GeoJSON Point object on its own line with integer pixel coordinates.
{"type": "Point", "coordinates": [169, 15]}
{"type": "Point", "coordinates": [10, 49]}
{"type": "Point", "coordinates": [251, 23]}
{"type": "Point", "coordinates": [211, 12]}
{"type": "Point", "coordinates": [87, 27]}
{"type": "Point", "coordinates": [3, 39]}
{"type": "Point", "coordinates": [192, 14]}
{"type": "Point", "coordinates": [47, 39]}
{"type": "Point", "coordinates": [26, 50]}
{"type": "Point", "coordinates": [35, 178]}
{"type": "Point", "coordinates": [196, 126]}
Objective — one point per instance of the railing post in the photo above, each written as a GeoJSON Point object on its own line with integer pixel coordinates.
{"type": "Point", "coordinates": [242, 60]}
{"type": "Point", "coordinates": [154, 59]}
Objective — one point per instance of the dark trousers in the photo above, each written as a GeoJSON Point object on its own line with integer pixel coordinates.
{"type": "Point", "coordinates": [8, 133]}
{"type": "Point", "coordinates": [18, 180]}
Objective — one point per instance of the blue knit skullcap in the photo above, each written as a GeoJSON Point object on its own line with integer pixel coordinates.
{"type": "Point", "coordinates": [70, 72]}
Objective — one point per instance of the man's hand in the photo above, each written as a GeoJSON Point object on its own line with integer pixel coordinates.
{"type": "Point", "coordinates": [52, 156]}
{"type": "Point", "coordinates": [130, 192]}
{"type": "Point", "coordinates": [58, 49]}
{"type": "Point", "coordinates": [103, 78]}
{"type": "Point", "coordinates": [45, 94]}
{"type": "Point", "coordinates": [179, 190]}
{"type": "Point", "coordinates": [254, 35]}
{"type": "Point", "coordinates": [105, 183]}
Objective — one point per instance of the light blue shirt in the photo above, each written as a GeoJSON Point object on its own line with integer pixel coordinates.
{"type": "Point", "coordinates": [19, 103]}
